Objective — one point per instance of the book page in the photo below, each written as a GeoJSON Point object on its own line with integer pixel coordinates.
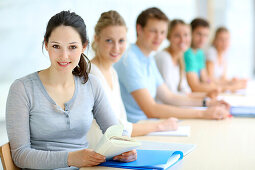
{"type": "Point", "coordinates": [113, 143]}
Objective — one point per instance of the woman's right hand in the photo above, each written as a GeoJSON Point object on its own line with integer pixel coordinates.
{"type": "Point", "coordinates": [84, 158]}
{"type": "Point", "coordinates": [168, 124]}
{"type": "Point", "coordinates": [216, 112]}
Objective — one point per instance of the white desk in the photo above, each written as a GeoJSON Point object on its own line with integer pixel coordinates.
{"type": "Point", "coordinates": [221, 145]}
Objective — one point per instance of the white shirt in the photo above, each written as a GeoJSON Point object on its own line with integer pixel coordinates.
{"type": "Point", "coordinates": [213, 57]}
{"type": "Point", "coordinates": [115, 101]}
{"type": "Point", "coordinates": [171, 73]}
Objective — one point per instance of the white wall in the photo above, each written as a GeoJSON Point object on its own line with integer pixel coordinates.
{"type": "Point", "coordinates": [239, 19]}
{"type": "Point", "coordinates": [23, 23]}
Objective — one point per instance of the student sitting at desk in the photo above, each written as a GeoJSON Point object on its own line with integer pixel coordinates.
{"type": "Point", "coordinates": [49, 112]}
{"type": "Point", "coordinates": [170, 61]}
{"type": "Point", "coordinates": [109, 45]}
{"type": "Point", "coordinates": [140, 80]}
{"type": "Point", "coordinates": [216, 61]}
{"type": "Point", "coordinates": [194, 58]}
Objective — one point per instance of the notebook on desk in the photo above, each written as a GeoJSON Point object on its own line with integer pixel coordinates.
{"type": "Point", "coordinates": [181, 131]}
{"type": "Point", "coordinates": [152, 145]}
{"type": "Point", "coordinates": [149, 159]}
{"type": "Point", "coordinates": [243, 111]}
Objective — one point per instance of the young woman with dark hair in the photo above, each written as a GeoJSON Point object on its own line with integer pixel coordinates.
{"type": "Point", "coordinates": [49, 112]}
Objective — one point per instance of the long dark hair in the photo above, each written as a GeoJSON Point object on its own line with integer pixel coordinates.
{"type": "Point", "coordinates": [73, 20]}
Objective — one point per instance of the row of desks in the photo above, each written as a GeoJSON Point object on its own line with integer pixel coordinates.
{"type": "Point", "coordinates": [226, 144]}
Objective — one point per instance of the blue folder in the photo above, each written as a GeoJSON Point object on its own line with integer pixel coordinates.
{"type": "Point", "coordinates": [243, 111]}
{"type": "Point", "coordinates": [148, 159]}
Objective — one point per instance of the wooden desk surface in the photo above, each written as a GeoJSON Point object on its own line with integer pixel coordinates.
{"type": "Point", "coordinates": [221, 145]}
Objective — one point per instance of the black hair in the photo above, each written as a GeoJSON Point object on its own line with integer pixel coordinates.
{"type": "Point", "coordinates": [67, 18]}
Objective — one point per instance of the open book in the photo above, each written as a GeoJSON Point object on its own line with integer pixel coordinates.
{"type": "Point", "coordinates": [113, 143]}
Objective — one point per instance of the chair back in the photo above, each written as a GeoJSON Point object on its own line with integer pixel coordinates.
{"type": "Point", "coordinates": [6, 158]}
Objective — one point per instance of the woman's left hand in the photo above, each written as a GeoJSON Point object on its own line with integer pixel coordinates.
{"type": "Point", "coordinates": [126, 156]}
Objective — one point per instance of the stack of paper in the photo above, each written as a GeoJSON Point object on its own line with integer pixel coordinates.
{"type": "Point", "coordinates": [243, 111]}
{"type": "Point", "coordinates": [181, 131]}
{"type": "Point", "coordinates": [151, 145]}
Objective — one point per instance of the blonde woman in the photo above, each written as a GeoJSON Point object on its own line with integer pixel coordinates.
{"type": "Point", "coordinates": [217, 63]}
{"type": "Point", "coordinates": [109, 45]}
{"type": "Point", "coordinates": [170, 61]}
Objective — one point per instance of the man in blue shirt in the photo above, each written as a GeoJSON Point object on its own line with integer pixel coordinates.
{"type": "Point", "coordinates": [140, 80]}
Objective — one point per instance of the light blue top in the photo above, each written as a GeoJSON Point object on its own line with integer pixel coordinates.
{"type": "Point", "coordinates": [194, 61]}
{"type": "Point", "coordinates": [137, 71]}
{"type": "Point", "coordinates": [41, 133]}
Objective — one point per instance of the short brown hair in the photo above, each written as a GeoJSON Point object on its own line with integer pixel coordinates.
{"type": "Point", "coordinates": [150, 13]}
{"type": "Point", "coordinates": [199, 22]}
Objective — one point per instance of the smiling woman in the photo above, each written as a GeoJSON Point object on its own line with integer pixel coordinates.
{"type": "Point", "coordinates": [49, 112]}
{"type": "Point", "coordinates": [109, 45]}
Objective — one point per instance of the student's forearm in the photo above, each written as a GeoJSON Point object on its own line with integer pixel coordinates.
{"type": "Point", "coordinates": [141, 129]}
{"type": "Point", "coordinates": [165, 111]}
{"type": "Point", "coordinates": [180, 100]}
{"type": "Point", "coordinates": [198, 95]}
{"type": "Point", "coordinates": [202, 87]}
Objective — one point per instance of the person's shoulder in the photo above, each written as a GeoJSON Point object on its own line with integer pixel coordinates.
{"type": "Point", "coordinates": [211, 53]}
{"type": "Point", "coordinates": [188, 54]}
{"type": "Point", "coordinates": [211, 49]}
{"type": "Point", "coordinates": [93, 79]}
{"type": "Point", "coordinates": [200, 51]}
{"type": "Point", "coordinates": [129, 60]}
{"type": "Point", "coordinates": [94, 70]}
{"type": "Point", "coordinates": [29, 77]}
{"type": "Point", "coordinates": [162, 54]}
{"type": "Point", "coordinates": [131, 55]}
{"type": "Point", "coordinates": [24, 81]}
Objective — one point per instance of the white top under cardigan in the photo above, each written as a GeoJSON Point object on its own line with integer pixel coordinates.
{"type": "Point", "coordinates": [115, 101]}
{"type": "Point", "coordinates": [171, 73]}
